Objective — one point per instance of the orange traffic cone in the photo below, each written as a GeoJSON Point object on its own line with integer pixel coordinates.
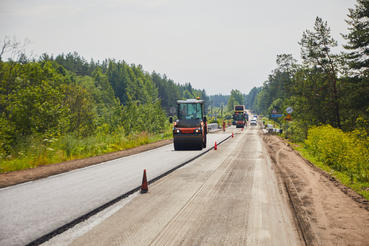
{"type": "Point", "coordinates": [144, 187]}
{"type": "Point", "coordinates": [215, 146]}
{"type": "Point", "coordinates": [242, 129]}
{"type": "Point", "coordinates": [232, 134]}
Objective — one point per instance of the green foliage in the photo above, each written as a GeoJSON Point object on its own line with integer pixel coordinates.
{"type": "Point", "coordinates": [72, 62]}
{"type": "Point", "coordinates": [231, 102]}
{"type": "Point", "coordinates": [38, 109]}
{"type": "Point", "coordinates": [119, 79]}
{"type": "Point", "coordinates": [238, 97]}
{"type": "Point", "coordinates": [277, 105]}
{"type": "Point", "coordinates": [347, 152]}
{"type": "Point", "coordinates": [82, 113]}
{"type": "Point", "coordinates": [315, 91]}
{"type": "Point", "coordinates": [358, 39]}
{"type": "Point", "coordinates": [277, 86]}
{"type": "Point", "coordinates": [31, 152]}
{"type": "Point", "coordinates": [316, 52]}
{"type": "Point", "coordinates": [106, 93]}
{"type": "Point", "coordinates": [168, 92]}
{"type": "Point", "coordinates": [58, 109]}
{"type": "Point", "coordinates": [186, 95]}
{"type": "Point", "coordinates": [32, 101]}
{"type": "Point", "coordinates": [228, 116]}
{"type": "Point", "coordinates": [250, 99]}
{"type": "Point", "coordinates": [218, 99]}
{"type": "Point", "coordinates": [213, 120]}
{"type": "Point", "coordinates": [358, 186]}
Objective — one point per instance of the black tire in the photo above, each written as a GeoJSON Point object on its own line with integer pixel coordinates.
{"type": "Point", "coordinates": [185, 144]}
{"type": "Point", "coordinates": [177, 144]}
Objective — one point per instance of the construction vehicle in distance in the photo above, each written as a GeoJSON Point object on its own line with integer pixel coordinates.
{"type": "Point", "coordinates": [239, 116]}
{"type": "Point", "coordinates": [190, 128]}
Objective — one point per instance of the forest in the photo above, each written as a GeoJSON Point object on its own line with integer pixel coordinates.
{"type": "Point", "coordinates": [327, 88]}
{"type": "Point", "coordinates": [329, 94]}
{"type": "Point", "coordinates": [54, 109]}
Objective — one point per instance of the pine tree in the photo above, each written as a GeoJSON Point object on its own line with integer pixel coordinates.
{"type": "Point", "coordinates": [358, 38]}
{"type": "Point", "coordinates": [316, 53]}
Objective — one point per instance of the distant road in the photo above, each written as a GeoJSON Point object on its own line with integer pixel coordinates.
{"type": "Point", "coordinates": [31, 210]}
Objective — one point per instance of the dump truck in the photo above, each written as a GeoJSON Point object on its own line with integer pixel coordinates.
{"type": "Point", "coordinates": [190, 127]}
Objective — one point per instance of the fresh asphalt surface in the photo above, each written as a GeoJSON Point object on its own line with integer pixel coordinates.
{"type": "Point", "coordinates": [31, 210]}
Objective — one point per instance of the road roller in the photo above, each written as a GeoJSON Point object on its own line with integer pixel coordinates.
{"type": "Point", "coordinates": [190, 127]}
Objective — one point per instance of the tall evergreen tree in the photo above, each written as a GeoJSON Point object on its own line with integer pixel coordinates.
{"type": "Point", "coordinates": [356, 84]}
{"type": "Point", "coordinates": [106, 91]}
{"type": "Point", "coordinates": [358, 38]}
{"type": "Point", "coordinates": [250, 99]}
{"type": "Point", "coordinates": [237, 95]}
{"type": "Point", "coordinates": [316, 52]}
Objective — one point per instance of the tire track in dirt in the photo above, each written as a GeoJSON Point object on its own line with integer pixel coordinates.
{"type": "Point", "coordinates": [300, 213]}
{"type": "Point", "coordinates": [334, 215]}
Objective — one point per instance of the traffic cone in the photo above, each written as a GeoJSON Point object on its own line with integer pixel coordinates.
{"type": "Point", "coordinates": [215, 146]}
{"type": "Point", "coordinates": [144, 187]}
{"type": "Point", "coordinates": [232, 134]}
{"type": "Point", "coordinates": [242, 129]}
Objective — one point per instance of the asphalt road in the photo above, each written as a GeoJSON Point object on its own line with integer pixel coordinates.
{"type": "Point", "coordinates": [32, 210]}
{"type": "Point", "coordinates": [229, 196]}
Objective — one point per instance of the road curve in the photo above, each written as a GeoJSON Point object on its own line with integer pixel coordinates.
{"type": "Point", "coordinates": [31, 210]}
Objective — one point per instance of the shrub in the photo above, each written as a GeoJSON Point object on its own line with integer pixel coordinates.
{"type": "Point", "coordinates": [346, 152]}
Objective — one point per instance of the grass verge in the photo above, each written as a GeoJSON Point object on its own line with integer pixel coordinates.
{"type": "Point", "coordinates": [361, 188]}
{"type": "Point", "coordinates": [35, 152]}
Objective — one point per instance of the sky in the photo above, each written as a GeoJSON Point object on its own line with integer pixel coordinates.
{"type": "Point", "coordinates": [214, 45]}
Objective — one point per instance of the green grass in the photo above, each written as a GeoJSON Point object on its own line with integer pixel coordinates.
{"type": "Point", "coordinates": [35, 152]}
{"type": "Point", "coordinates": [360, 187]}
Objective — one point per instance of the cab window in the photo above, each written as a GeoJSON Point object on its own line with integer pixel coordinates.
{"type": "Point", "coordinates": [190, 111]}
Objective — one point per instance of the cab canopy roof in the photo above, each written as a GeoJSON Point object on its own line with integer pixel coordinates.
{"type": "Point", "coordinates": [190, 101]}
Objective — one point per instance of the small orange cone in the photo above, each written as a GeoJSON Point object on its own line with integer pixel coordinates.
{"type": "Point", "coordinates": [242, 129]}
{"type": "Point", "coordinates": [144, 187]}
{"type": "Point", "coordinates": [232, 134]}
{"type": "Point", "coordinates": [215, 146]}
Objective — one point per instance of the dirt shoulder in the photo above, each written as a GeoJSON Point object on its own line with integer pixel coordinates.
{"type": "Point", "coordinates": [332, 213]}
{"type": "Point", "coordinates": [18, 177]}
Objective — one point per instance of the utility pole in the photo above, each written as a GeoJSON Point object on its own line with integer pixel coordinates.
{"type": "Point", "coordinates": [211, 106]}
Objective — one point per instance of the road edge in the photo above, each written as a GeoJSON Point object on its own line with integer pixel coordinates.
{"type": "Point", "coordinates": [298, 211]}
{"type": "Point", "coordinates": [32, 174]}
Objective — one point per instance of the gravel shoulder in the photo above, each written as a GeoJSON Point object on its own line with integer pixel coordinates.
{"type": "Point", "coordinates": [18, 177]}
{"type": "Point", "coordinates": [328, 211]}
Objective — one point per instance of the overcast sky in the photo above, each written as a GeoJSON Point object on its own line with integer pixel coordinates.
{"type": "Point", "coordinates": [215, 45]}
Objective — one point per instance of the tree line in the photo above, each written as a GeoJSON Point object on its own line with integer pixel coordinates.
{"type": "Point", "coordinates": [327, 88]}
{"type": "Point", "coordinates": [49, 97]}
